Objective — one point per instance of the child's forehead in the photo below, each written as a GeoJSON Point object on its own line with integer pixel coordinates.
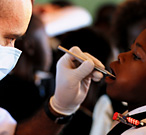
{"type": "Point", "coordinates": [141, 39]}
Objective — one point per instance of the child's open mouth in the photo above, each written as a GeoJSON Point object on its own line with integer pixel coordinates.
{"type": "Point", "coordinates": [112, 71]}
{"type": "Point", "coordinates": [110, 79]}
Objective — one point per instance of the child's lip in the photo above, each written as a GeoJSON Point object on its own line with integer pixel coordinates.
{"type": "Point", "coordinates": [110, 79]}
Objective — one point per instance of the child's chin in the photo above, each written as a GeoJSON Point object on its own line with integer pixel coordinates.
{"type": "Point", "coordinates": [111, 93]}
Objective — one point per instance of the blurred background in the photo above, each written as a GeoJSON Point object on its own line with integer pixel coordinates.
{"type": "Point", "coordinates": [90, 5]}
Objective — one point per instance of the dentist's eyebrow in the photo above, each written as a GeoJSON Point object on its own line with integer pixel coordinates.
{"type": "Point", "coordinates": [15, 36]}
{"type": "Point", "coordinates": [140, 46]}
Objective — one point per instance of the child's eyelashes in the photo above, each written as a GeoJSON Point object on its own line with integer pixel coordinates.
{"type": "Point", "coordinates": [128, 50]}
{"type": "Point", "coordinates": [135, 57]}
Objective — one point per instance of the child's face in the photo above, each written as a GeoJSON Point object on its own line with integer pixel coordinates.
{"type": "Point", "coordinates": [130, 71]}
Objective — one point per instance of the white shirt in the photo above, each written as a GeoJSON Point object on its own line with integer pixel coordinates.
{"type": "Point", "coordinates": [102, 116]}
{"type": "Point", "coordinates": [7, 123]}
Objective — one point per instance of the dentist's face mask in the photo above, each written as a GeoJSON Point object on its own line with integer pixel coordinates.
{"type": "Point", "coordinates": [8, 59]}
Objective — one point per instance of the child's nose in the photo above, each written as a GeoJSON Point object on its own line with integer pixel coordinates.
{"type": "Point", "coordinates": [121, 57]}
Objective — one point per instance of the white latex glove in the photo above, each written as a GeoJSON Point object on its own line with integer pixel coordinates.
{"type": "Point", "coordinates": [72, 82]}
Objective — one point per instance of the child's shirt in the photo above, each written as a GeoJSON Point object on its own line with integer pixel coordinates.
{"type": "Point", "coordinates": [132, 130]}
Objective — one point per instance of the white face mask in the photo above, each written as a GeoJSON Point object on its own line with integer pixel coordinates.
{"type": "Point", "coordinates": [8, 59]}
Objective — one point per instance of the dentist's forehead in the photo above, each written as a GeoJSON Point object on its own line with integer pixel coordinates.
{"type": "Point", "coordinates": [9, 8]}
{"type": "Point", "coordinates": [15, 14]}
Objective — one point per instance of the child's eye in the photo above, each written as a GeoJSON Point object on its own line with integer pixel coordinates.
{"type": "Point", "coordinates": [136, 57]}
{"type": "Point", "coordinates": [128, 49]}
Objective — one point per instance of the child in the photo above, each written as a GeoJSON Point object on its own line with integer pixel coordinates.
{"type": "Point", "coordinates": [130, 84]}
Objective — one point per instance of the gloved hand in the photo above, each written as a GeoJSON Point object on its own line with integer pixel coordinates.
{"type": "Point", "coordinates": [72, 82]}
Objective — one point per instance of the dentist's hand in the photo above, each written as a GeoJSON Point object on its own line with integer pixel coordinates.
{"type": "Point", "coordinates": [73, 81]}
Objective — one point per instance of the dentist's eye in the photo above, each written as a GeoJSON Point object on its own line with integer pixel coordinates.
{"type": "Point", "coordinates": [135, 57]}
{"type": "Point", "coordinates": [10, 42]}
